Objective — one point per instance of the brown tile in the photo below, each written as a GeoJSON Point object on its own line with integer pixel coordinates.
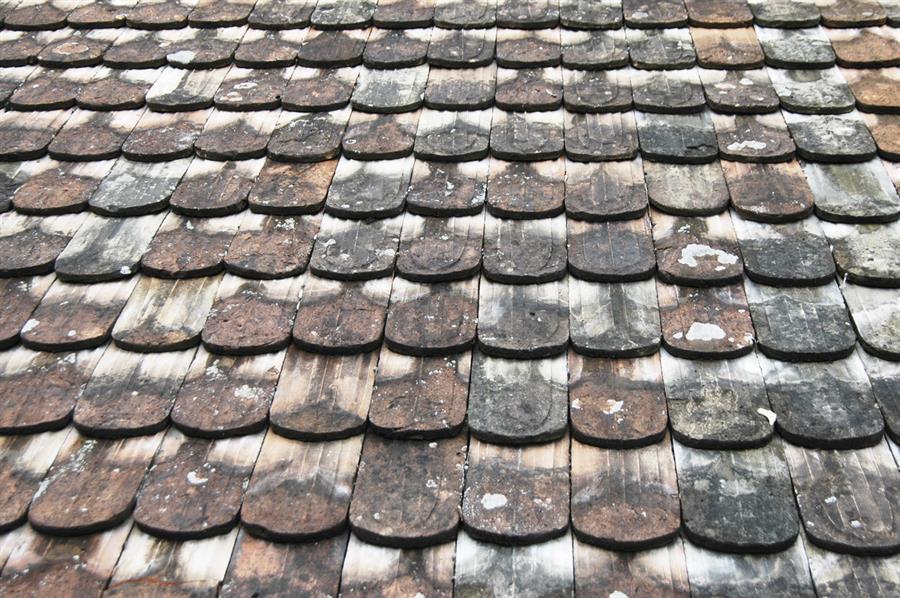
{"type": "Point", "coordinates": [453, 136]}
{"type": "Point", "coordinates": [34, 17]}
{"type": "Point", "coordinates": [29, 246]}
{"type": "Point", "coordinates": [185, 89]}
{"type": "Point", "coordinates": [397, 48]}
{"type": "Point", "coordinates": [244, 90]}
{"type": "Point", "coordinates": [380, 136]}
{"type": "Point", "coordinates": [727, 48]}
{"type": "Point", "coordinates": [785, 255]}
{"type": "Point", "coordinates": [529, 89]}
{"type": "Point", "coordinates": [719, 13]}
{"type": "Point", "coordinates": [213, 189]}
{"type": "Point", "coordinates": [202, 48]}
{"type": "Point", "coordinates": [162, 137]}
{"type": "Point", "coordinates": [526, 189]}
{"type": "Point", "coordinates": [596, 137]}
{"type": "Point", "coordinates": [291, 189]}
{"type": "Point", "coordinates": [267, 50]}
{"type": "Point", "coordinates": [739, 92]}
{"type": "Point", "coordinates": [596, 91]}
{"type": "Point", "coordinates": [436, 319]}
{"type": "Point", "coordinates": [875, 90]}
{"type": "Point", "coordinates": [46, 90]}
{"type": "Point", "coordinates": [98, 15]}
{"type": "Point", "coordinates": [677, 91]}
{"type": "Point", "coordinates": [20, 50]}
{"type": "Point", "coordinates": [439, 249]}
{"type": "Point", "coordinates": [614, 251]}
{"type": "Point", "coordinates": [369, 189]}
{"type": "Point", "coordinates": [271, 246]}
{"type": "Point", "coordinates": [461, 89]}
{"type": "Point", "coordinates": [72, 52]}
{"type": "Point", "coordinates": [527, 136]}
{"type": "Point", "coordinates": [866, 48]}
{"type": "Point", "coordinates": [355, 249]}
{"type": "Point", "coordinates": [524, 251]}
{"type": "Point", "coordinates": [885, 129]}
{"type": "Point", "coordinates": [18, 299]}
{"type": "Point", "coordinates": [661, 48]}
{"type": "Point", "coordinates": [753, 138]}
{"type": "Point", "coordinates": [614, 319]}
{"type": "Point", "coordinates": [696, 251]}
{"type": "Point", "coordinates": [90, 136]}
{"type": "Point", "coordinates": [768, 192]}
{"type": "Point", "coordinates": [403, 13]}
{"type": "Point", "coordinates": [605, 191]}
{"type": "Point", "coordinates": [138, 50]}
{"type": "Point", "coordinates": [462, 48]}
{"type": "Point", "coordinates": [187, 248]}
{"type": "Point", "coordinates": [59, 189]}
{"type": "Point", "coordinates": [447, 189]}
{"type": "Point", "coordinates": [316, 90]}
{"type": "Point", "coordinates": [24, 461]}
{"type": "Point", "coordinates": [310, 137]}
{"type": "Point", "coordinates": [208, 13]}
{"type": "Point", "coordinates": [332, 49]}
{"type": "Point", "coordinates": [236, 136]}
{"type": "Point", "coordinates": [112, 92]}
{"type": "Point", "coordinates": [852, 13]}
{"type": "Point", "coordinates": [26, 142]}
{"type": "Point", "coordinates": [169, 14]}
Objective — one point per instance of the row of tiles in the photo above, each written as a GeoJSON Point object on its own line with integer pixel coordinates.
{"type": "Point", "coordinates": [414, 493]}
{"type": "Point", "coordinates": [125, 561]}
{"type": "Point", "coordinates": [743, 48]}
{"type": "Point", "coordinates": [30, 15]}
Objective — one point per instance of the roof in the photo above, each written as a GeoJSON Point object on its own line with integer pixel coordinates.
{"type": "Point", "coordinates": [433, 297]}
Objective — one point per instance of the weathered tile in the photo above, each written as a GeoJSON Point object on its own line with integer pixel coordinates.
{"type": "Point", "coordinates": [714, 573]}
{"type": "Point", "coordinates": [236, 136]}
{"type": "Point", "coordinates": [433, 319]}
{"type": "Point", "coordinates": [89, 136]}
{"type": "Point", "coordinates": [727, 48]}
{"type": "Point", "coordinates": [24, 461]}
{"type": "Point", "coordinates": [447, 189]}
{"type": "Point", "coordinates": [210, 188]}
{"type": "Point", "coordinates": [187, 248]}
{"type": "Point", "coordinates": [837, 574]}
{"type": "Point", "coordinates": [100, 15]}
{"type": "Point", "coordinates": [677, 91]}
{"type": "Point", "coordinates": [603, 191]}
{"type": "Point", "coordinates": [696, 251]}
{"type": "Point", "coordinates": [854, 13]}
{"type": "Point", "coordinates": [36, 16]}
{"type": "Point", "coordinates": [461, 48]}
{"type": "Point", "coordinates": [403, 14]}
{"type": "Point", "coordinates": [76, 50]}
{"type": "Point", "coordinates": [369, 189]}
{"type": "Point", "coordinates": [47, 187]}
{"type": "Point", "coordinates": [453, 136]}
{"type": "Point", "coordinates": [380, 136]}
{"type": "Point", "coordinates": [801, 323]}
{"type": "Point", "coordinates": [130, 394]}
{"type": "Point", "coordinates": [616, 403]}
{"type": "Point", "coordinates": [812, 91]}
{"type": "Point", "coordinates": [56, 377]}
{"type": "Point", "coordinates": [267, 50]}
{"type": "Point", "coordinates": [785, 255]}
{"type": "Point", "coordinates": [317, 90]}
{"type": "Point", "coordinates": [601, 137]}
{"type": "Point", "coordinates": [591, 50]}
{"type": "Point", "coordinates": [271, 246]}
{"type": "Point", "coordinates": [79, 566]}
{"type": "Point", "coordinates": [291, 189]}
{"type": "Point", "coordinates": [597, 91]}
{"type": "Point", "coordinates": [300, 491]}
{"type": "Point", "coordinates": [320, 397]}
{"type": "Point", "coordinates": [739, 92]}
{"type": "Point", "coordinates": [248, 89]}
{"type": "Point", "coordinates": [661, 48]}
{"type": "Point", "coordinates": [381, 571]}
{"type": "Point", "coordinates": [823, 405]}
{"type": "Point", "coordinates": [717, 404]}
{"type": "Point", "coordinates": [529, 89]}
{"type": "Point", "coordinates": [524, 251]}
{"type": "Point", "coordinates": [159, 15]}
{"type": "Point", "coordinates": [853, 193]}
{"type": "Point", "coordinates": [453, 14]}
{"type": "Point", "coordinates": [719, 13]}
{"type": "Point", "coordinates": [796, 48]}
{"type": "Point", "coordinates": [28, 140]}
{"type": "Point", "coordinates": [47, 90]}
{"type": "Point", "coordinates": [420, 397]}
{"type": "Point", "coordinates": [334, 14]}
{"type": "Point", "coordinates": [73, 317]}
{"type": "Point", "coordinates": [397, 48]}
{"type": "Point", "coordinates": [461, 89]}
{"type": "Point", "coordinates": [519, 48]}
{"type": "Point", "coordinates": [718, 489]}
{"type": "Point", "coordinates": [527, 136]}
{"type": "Point", "coordinates": [866, 254]}
{"type": "Point", "coordinates": [885, 379]}
{"type": "Point", "coordinates": [137, 188]}
{"type": "Point", "coordinates": [201, 48]}
{"type": "Point", "coordinates": [407, 492]}
{"type": "Point", "coordinates": [195, 487]}
{"type": "Point", "coordinates": [211, 14]}
{"type": "Point", "coordinates": [625, 499]}
{"type": "Point", "coordinates": [355, 249]}
{"type": "Point", "coordinates": [876, 314]}
{"type": "Point", "coordinates": [518, 401]}
{"type": "Point", "coordinates": [768, 192]}
{"type": "Point", "coordinates": [787, 14]}
{"type": "Point", "coordinates": [91, 485]}
{"type": "Point", "coordinates": [523, 321]}
{"type": "Point", "coordinates": [516, 495]}
{"type": "Point", "coordinates": [29, 245]}
{"type": "Point", "coordinates": [250, 317]}
{"type": "Point", "coordinates": [614, 251]}
{"type": "Point", "coordinates": [827, 138]}
{"type": "Point", "coordinates": [845, 498]}
{"type": "Point", "coordinates": [870, 47]}
{"type": "Point", "coordinates": [753, 138]}
{"type": "Point", "coordinates": [526, 189]}
{"type": "Point", "coordinates": [136, 49]}
{"type": "Point", "coordinates": [705, 323]}
{"type": "Point", "coordinates": [440, 249]}
{"type": "Point", "coordinates": [679, 138]}
{"type": "Point", "coordinates": [597, 14]}
{"type": "Point", "coordinates": [874, 89]}
{"type": "Point", "coordinates": [530, 14]}
{"type": "Point", "coordinates": [160, 137]}
{"type": "Point", "coordinates": [185, 90]}
{"type": "Point", "coordinates": [112, 90]}
{"type": "Point", "coordinates": [20, 48]}
{"type": "Point", "coordinates": [651, 15]}
{"type": "Point", "coordinates": [885, 129]}
{"type": "Point", "coordinates": [614, 319]}
{"type": "Point", "coordinates": [147, 563]}
{"type": "Point", "coordinates": [654, 572]}
{"type": "Point", "coordinates": [18, 299]}
{"type": "Point", "coordinates": [332, 49]}
{"type": "Point", "coordinates": [260, 566]}
{"type": "Point", "coordinates": [390, 91]}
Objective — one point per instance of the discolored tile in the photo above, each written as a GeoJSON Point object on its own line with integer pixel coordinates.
{"type": "Point", "coordinates": [380, 136]}
{"type": "Point", "coordinates": [184, 90]}
{"type": "Point", "coordinates": [523, 321]}
{"type": "Point", "coordinates": [870, 47]}
{"type": "Point", "coordinates": [739, 92]}
{"type": "Point", "coordinates": [753, 138]}
{"type": "Point", "coordinates": [390, 91]}
{"type": "Point", "coordinates": [440, 249]}
{"type": "Point", "coordinates": [885, 128]}
{"type": "Point", "coordinates": [616, 403]}
{"type": "Point", "coordinates": [529, 89]}
{"type": "Point", "coordinates": [19, 297]}
{"type": "Point", "coordinates": [519, 48]}
{"type": "Point", "coordinates": [874, 89]}
{"type": "Point", "coordinates": [271, 246]}
{"type": "Point", "coordinates": [517, 402]}
{"type": "Point", "coordinates": [727, 48]}
{"type": "Point", "coordinates": [355, 249]}
{"type": "Point", "coordinates": [591, 50]}
{"type": "Point", "coordinates": [403, 14]}
{"type": "Point", "coordinates": [705, 323]}
{"type": "Point", "coordinates": [650, 15]}
{"type": "Point", "coordinates": [29, 245]}
{"type": "Point", "coordinates": [453, 14]}
{"type": "Point", "coordinates": [831, 139]}
{"type": "Point", "coordinates": [397, 48]}
{"type": "Point", "coordinates": [435, 319]}
{"type": "Point", "coordinates": [24, 461]}
{"type": "Point", "coordinates": [211, 14]}
{"type": "Point", "coordinates": [614, 319]}
{"type": "Point", "coordinates": [35, 16]}
{"type": "Point", "coordinates": [531, 14]}
{"type": "Point", "coordinates": [48, 187]}
{"type": "Point", "coordinates": [388, 571]}
{"type": "Point", "coordinates": [812, 91]}
{"type": "Point", "coordinates": [672, 92]}
{"type": "Point", "coordinates": [696, 251]}
{"type": "Point", "coordinates": [527, 136]}
{"type": "Point", "coordinates": [300, 491]}
{"type": "Point", "coordinates": [785, 14]}
{"type": "Point", "coordinates": [332, 49]}
{"type": "Point", "coordinates": [601, 137]}
{"type": "Point", "coordinates": [137, 189]}
{"type": "Point", "coordinates": [614, 251]}
{"type": "Point", "coordinates": [785, 255]}
{"type": "Point", "coordinates": [447, 189]}
{"type": "Point", "coordinates": [601, 14]}
{"type": "Point", "coordinates": [135, 49]}
{"type": "Point", "coordinates": [47, 89]}
{"type": "Point", "coordinates": [597, 91]}
{"type": "Point", "coordinates": [369, 189]}
{"type": "Point", "coordinates": [875, 315]}
{"type": "Point", "coordinates": [167, 14]}
{"type": "Point", "coordinates": [718, 13]}
{"type": "Point", "coordinates": [308, 137]}
{"type": "Point", "coordinates": [526, 189]}
{"type": "Point", "coordinates": [266, 49]}
{"type": "Point", "coordinates": [281, 14]}
{"type": "Point", "coordinates": [29, 141]}
{"type": "Point", "coordinates": [604, 191]}
{"type": "Point", "coordinates": [768, 192]}
{"type": "Point", "coordinates": [236, 136]}
{"type": "Point", "coordinates": [625, 499]}
{"type": "Point", "coordinates": [453, 136]}
{"type": "Point", "coordinates": [75, 51]}
{"type": "Point", "coordinates": [333, 14]}
{"type": "Point", "coordinates": [866, 254]}
{"type": "Point", "coordinates": [318, 90]}
{"type": "Point", "coordinates": [885, 379]}
{"type": "Point", "coordinates": [850, 574]}
{"type": "Point", "coordinates": [201, 48]}
{"type": "Point", "coordinates": [524, 251]}
{"type": "Point", "coordinates": [853, 193]}
{"type": "Point", "coordinates": [407, 492]}
{"type": "Point", "coordinates": [291, 189]}
{"type": "Point", "coordinates": [89, 136]}
{"type": "Point", "coordinates": [461, 89]}
{"type": "Point", "coordinates": [187, 248]}
{"type": "Point", "coordinates": [796, 48]}
{"type": "Point", "coordinates": [658, 571]}
{"type": "Point", "coordinates": [661, 48]}
{"type": "Point", "coordinates": [249, 89]}
{"type": "Point", "coordinates": [210, 188]}
{"type": "Point", "coordinates": [163, 137]}
{"type": "Point", "coordinates": [679, 138]}
{"type": "Point", "coordinates": [461, 48]}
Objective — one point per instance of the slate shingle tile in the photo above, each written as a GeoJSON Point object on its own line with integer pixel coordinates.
{"type": "Point", "coordinates": [661, 48]}
{"type": "Point", "coordinates": [308, 137]}
{"type": "Point", "coordinates": [453, 136]}
{"type": "Point", "coordinates": [130, 394]}
{"type": "Point", "coordinates": [785, 255]}
{"type": "Point", "coordinates": [871, 47]}
{"type": "Point", "coordinates": [380, 136]}
{"type": "Point", "coordinates": [248, 89]}
{"type": "Point", "coordinates": [163, 137]}
{"type": "Point", "coordinates": [50, 188]}
{"type": "Point", "coordinates": [19, 297]}
{"type": "Point", "coordinates": [300, 491]}
{"type": "Point", "coordinates": [823, 405]}
{"type": "Point", "coordinates": [523, 321]}
{"type": "Point", "coordinates": [99, 15]}
{"type": "Point", "coordinates": [24, 461]}
{"type": "Point", "coordinates": [317, 90]}
{"type": "Point", "coordinates": [675, 92]}
{"type": "Point", "coordinates": [136, 188]}
{"type": "Point", "coordinates": [34, 16]}
{"type": "Point", "coordinates": [616, 403]}
{"type": "Point", "coordinates": [187, 248]}
{"type": "Point", "coordinates": [91, 485]}
{"type": "Point", "coordinates": [516, 495]}
{"type": "Point", "coordinates": [211, 14]}
{"type": "Point", "coordinates": [271, 246]}
{"type": "Point", "coordinates": [250, 317]}
{"type": "Point", "coordinates": [801, 324]}
{"type": "Point", "coordinates": [369, 189]}
{"type": "Point", "coordinates": [598, 14]}
{"type": "Point", "coordinates": [853, 193]}
{"type": "Point", "coordinates": [527, 14]}
{"type": "Point", "coordinates": [56, 377]}
{"type": "Point", "coordinates": [259, 49]}
{"type": "Point", "coordinates": [455, 14]}
{"type": "Point", "coordinates": [875, 315]}
{"type": "Point", "coordinates": [436, 319]}
{"type": "Point", "coordinates": [517, 402]}
{"type": "Point", "coordinates": [845, 498]}
{"type": "Point", "coordinates": [403, 14]}
{"type": "Point", "coordinates": [524, 251]}
{"type": "Point", "coordinates": [195, 487]}
{"type": "Point", "coordinates": [678, 138]}
{"type": "Point", "coordinates": [167, 14]}
{"type": "Point", "coordinates": [866, 254]}
{"type": "Point", "coordinates": [526, 190]}
{"type": "Point", "coordinates": [614, 251]}
{"type": "Point", "coordinates": [210, 188]}
{"type": "Point", "coordinates": [440, 249]}
{"type": "Point", "coordinates": [885, 128]}
{"type": "Point", "coordinates": [332, 49]}
{"type": "Point", "coordinates": [420, 397]}
{"type": "Point", "coordinates": [831, 139]}
{"type": "Point", "coordinates": [461, 48]}
{"type": "Point", "coordinates": [426, 570]}
{"type": "Point", "coordinates": [784, 14]}
{"type": "Point", "coordinates": [753, 138]}
{"type": "Point", "coordinates": [527, 136]}
{"type": "Point", "coordinates": [519, 48]}
{"type": "Point", "coordinates": [614, 319]}
{"type": "Point", "coordinates": [322, 397]}
{"type": "Point", "coordinates": [596, 91]}
{"type": "Point", "coordinates": [291, 189]}
{"type": "Point", "coordinates": [342, 318]}
{"type": "Point", "coordinates": [796, 48]}
{"type": "Point", "coordinates": [89, 136]}
{"type": "Point", "coordinates": [696, 251]}
{"type": "Point", "coordinates": [336, 14]}
{"type": "Point", "coordinates": [281, 14]}
{"type": "Point", "coordinates": [355, 249]}
{"type": "Point", "coordinates": [29, 245]}
{"type": "Point", "coordinates": [739, 91]}
{"type": "Point", "coordinates": [407, 492]}
{"type": "Point", "coordinates": [135, 49]}
{"type": "Point", "coordinates": [592, 50]}
{"type": "Point", "coordinates": [397, 48]}
{"type": "Point", "coordinates": [602, 191]}
{"type": "Point", "coordinates": [625, 499]}
{"type": "Point", "coordinates": [309, 567]}
{"type": "Point", "coordinates": [719, 13]}
{"type": "Point", "coordinates": [447, 189]}
{"type": "Point", "coordinates": [461, 89]}
{"type": "Point", "coordinates": [601, 137]}
{"type": "Point", "coordinates": [768, 192]}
